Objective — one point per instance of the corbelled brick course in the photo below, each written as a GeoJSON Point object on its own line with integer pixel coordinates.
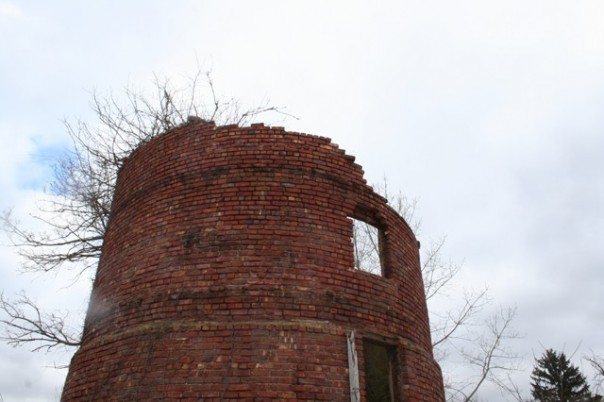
{"type": "Point", "coordinates": [227, 273]}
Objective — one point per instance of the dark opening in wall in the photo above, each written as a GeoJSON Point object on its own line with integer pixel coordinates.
{"type": "Point", "coordinates": [380, 371]}
{"type": "Point", "coordinates": [367, 241]}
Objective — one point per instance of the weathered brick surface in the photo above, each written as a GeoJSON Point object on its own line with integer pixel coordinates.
{"type": "Point", "coordinates": [227, 274]}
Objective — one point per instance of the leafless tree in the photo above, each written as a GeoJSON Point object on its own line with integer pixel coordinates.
{"type": "Point", "coordinates": [482, 345]}
{"type": "Point", "coordinates": [490, 355]}
{"type": "Point", "coordinates": [76, 211]}
{"type": "Point", "coordinates": [597, 364]}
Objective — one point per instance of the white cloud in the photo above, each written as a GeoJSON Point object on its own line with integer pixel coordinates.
{"type": "Point", "coordinates": [9, 10]}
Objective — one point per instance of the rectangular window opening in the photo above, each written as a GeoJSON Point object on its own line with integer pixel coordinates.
{"type": "Point", "coordinates": [367, 247]}
{"type": "Point", "coordinates": [380, 371]}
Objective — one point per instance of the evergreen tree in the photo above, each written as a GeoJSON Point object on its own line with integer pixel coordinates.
{"type": "Point", "coordinates": [555, 379]}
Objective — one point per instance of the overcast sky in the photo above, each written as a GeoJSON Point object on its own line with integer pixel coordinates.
{"type": "Point", "coordinates": [490, 113]}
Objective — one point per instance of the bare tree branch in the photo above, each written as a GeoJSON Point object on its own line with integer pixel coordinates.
{"type": "Point", "coordinates": [597, 364]}
{"type": "Point", "coordinates": [437, 274]}
{"type": "Point", "coordinates": [448, 328]}
{"type": "Point", "coordinates": [403, 205]}
{"type": "Point", "coordinates": [24, 323]}
{"type": "Point", "coordinates": [509, 387]}
{"type": "Point", "coordinates": [490, 354]}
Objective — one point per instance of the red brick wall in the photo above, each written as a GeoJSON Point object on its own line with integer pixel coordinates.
{"type": "Point", "coordinates": [227, 273]}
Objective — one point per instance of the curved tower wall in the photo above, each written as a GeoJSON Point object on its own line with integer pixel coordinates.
{"type": "Point", "coordinates": [227, 272]}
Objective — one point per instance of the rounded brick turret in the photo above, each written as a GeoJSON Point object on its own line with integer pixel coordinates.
{"type": "Point", "coordinates": [228, 273]}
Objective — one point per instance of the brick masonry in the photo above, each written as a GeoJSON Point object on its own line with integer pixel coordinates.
{"type": "Point", "coordinates": [227, 274]}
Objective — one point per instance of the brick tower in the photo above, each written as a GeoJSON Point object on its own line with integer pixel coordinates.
{"type": "Point", "coordinates": [228, 273]}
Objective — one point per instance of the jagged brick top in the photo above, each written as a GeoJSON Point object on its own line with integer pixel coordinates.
{"type": "Point", "coordinates": [258, 145]}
